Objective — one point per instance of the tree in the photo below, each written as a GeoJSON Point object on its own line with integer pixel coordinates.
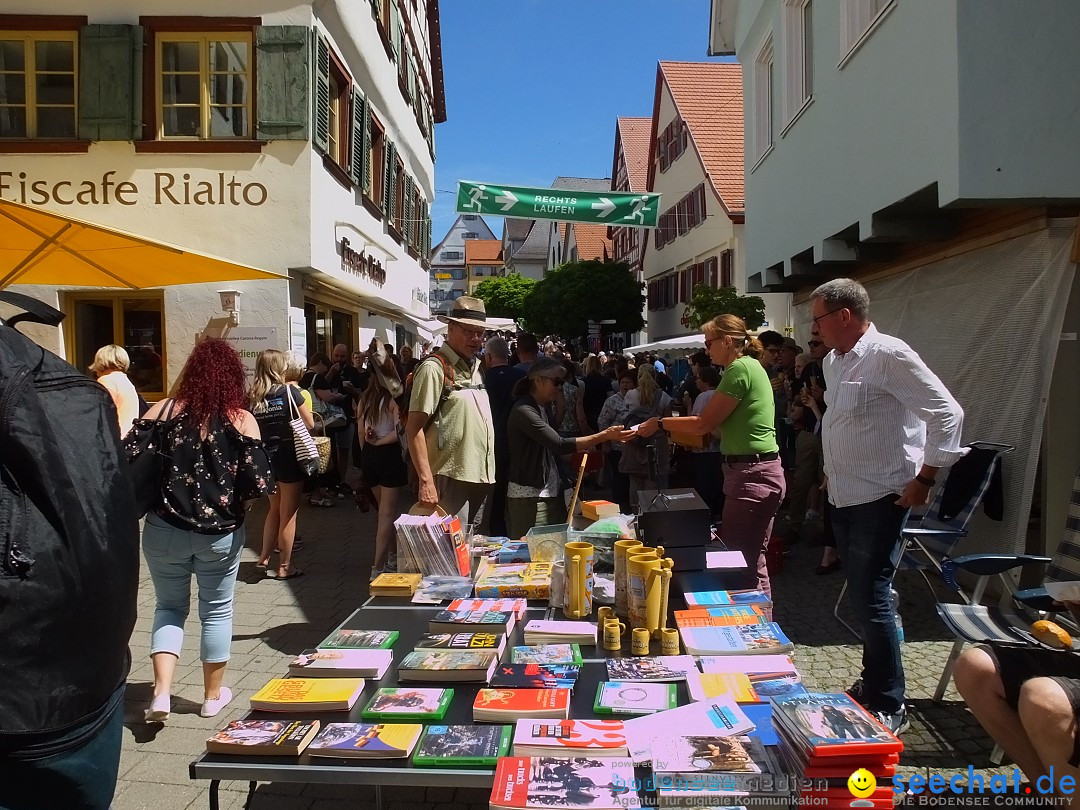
{"type": "Point", "coordinates": [708, 302]}
{"type": "Point", "coordinates": [567, 298]}
{"type": "Point", "coordinates": [504, 296]}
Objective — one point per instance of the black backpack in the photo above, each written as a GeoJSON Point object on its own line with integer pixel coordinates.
{"type": "Point", "coordinates": [70, 541]}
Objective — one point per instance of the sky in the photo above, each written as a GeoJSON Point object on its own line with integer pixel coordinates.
{"type": "Point", "coordinates": [533, 87]}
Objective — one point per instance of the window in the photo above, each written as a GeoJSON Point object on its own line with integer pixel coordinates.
{"type": "Point", "coordinates": [458, 273]}
{"type": "Point", "coordinates": [798, 56]}
{"type": "Point", "coordinates": [133, 321]}
{"type": "Point", "coordinates": [37, 84]}
{"type": "Point", "coordinates": [451, 256]}
{"type": "Point", "coordinates": [340, 124]}
{"type": "Point", "coordinates": [764, 99]}
{"type": "Point", "coordinates": [399, 195]}
{"type": "Point", "coordinates": [670, 143]}
{"type": "Point", "coordinates": [468, 217]}
{"type": "Point", "coordinates": [204, 85]}
{"type": "Point", "coordinates": [727, 268]}
{"type": "Point", "coordinates": [471, 235]}
{"type": "Point", "coordinates": [861, 17]}
{"type": "Point", "coordinates": [377, 158]}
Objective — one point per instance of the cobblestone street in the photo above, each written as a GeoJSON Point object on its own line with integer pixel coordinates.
{"type": "Point", "coordinates": [279, 619]}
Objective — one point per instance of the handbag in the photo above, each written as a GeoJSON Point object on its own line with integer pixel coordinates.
{"type": "Point", "coordinates": [333, 416]}
{"type": "Point", "coordinates": [307, 453]}
{"type": "Point", "coordinates": [322, 444]}
{"type": "Point", "coordinates": [146, 459]}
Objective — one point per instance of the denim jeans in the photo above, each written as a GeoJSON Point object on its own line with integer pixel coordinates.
{"type": "Point", "coordinates": [753, 493]}
{"type": "Point", "coordinates": [868, 541]}
{"type": "Point", "coordinates": [173, 555]}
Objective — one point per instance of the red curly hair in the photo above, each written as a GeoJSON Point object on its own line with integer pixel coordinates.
{"type": "Point", "coordinates": [214, 382]}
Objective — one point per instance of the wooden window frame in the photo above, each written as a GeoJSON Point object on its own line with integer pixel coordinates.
{"type": "Point", "coordinates": [395, 221]}
{"type": "Point", "coordinates": [154, 27]}
{"type": "Point", "coordinates": [339, 166]}
{"type": "Point", "coordinates": [727, 268]}
{"type": "Point", "coordinates": [29, 36]}
{"type": "Point", "coordinates": [377, 146]}
{"type": "Point", "coordinates": [764, 129]}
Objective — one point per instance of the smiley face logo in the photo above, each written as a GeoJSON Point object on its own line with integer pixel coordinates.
{"type": "Point", "coordinates": [861, 783]}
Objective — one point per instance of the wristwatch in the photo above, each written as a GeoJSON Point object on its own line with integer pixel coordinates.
{"type": "Point", "coordinates": [660, 424]}
{"type": "Point", "coordinates": [926, 482]}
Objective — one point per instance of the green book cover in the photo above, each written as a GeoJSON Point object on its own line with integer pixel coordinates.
{"type": "Point", "coordinates": [342, 638]}
{"type": "Point", "coordinates": [635, 697]}
{"type": "Point", "coordinates": [547, 654]}
{"type": "Point", "coordinates": [449, 746]}
{"type": "Point", "coordinates": [408, 704]}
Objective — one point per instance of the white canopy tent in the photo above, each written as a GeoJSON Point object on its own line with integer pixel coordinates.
{"type": "Point", "coordinates": [685, 343]}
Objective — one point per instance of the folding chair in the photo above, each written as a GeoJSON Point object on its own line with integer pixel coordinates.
{"type": "Point", "coordinates": [1008, 623]}
{"type": "Point", "coordinates": [928, 538]}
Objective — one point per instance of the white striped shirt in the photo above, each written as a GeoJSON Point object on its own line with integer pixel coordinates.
{"type": "Point", "coordinates": [888, 413]}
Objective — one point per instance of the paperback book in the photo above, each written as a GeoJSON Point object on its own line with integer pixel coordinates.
{"type": "Point", "coordinates": [366, 740]}
{"type": "Point", "coordinates": [735, 685]}
{"type": "Point", "coordinates": [525, 783]}
{"type": "Point", "coordinates": [770, 675]}
{"type": "Point", "coordinates": [432, 545]}
{"type": "Point", "coordinates": [308, 695]}
{"type": "Point", "coordinates": [408, 704]}
{"type": "Point", "coordinates": [833, 725]}
{"type": "Point", "coordinates": [515, 606]}
{"type": "Point", "coordinates": [463, 746]}
{"type": "Point", "coordinates": [748, 639]}
{"type": "Point", "coordinates": [592, 738]}
{"type": "Point", "coordinates": [454, 621]}
{"type": "Point", "coordinates": [546, 654]}
{"type": "Point", "coordinates": [710, 598]}
{"type": "Point", "coordinates": [535, 676]}
{"type": "Point", "coordinates": [508, 705]}
{"type": "Point", "coordinates": [345, 639]}
{"type": "Point", "coordinates": [354, 663]}
{"type": "Point", "coordinates": [634, 697]}
{"type": "Point", "coordinates": [718, 717]}
{"type": "Point", "coordinates": [720, 616]}
{"type": "Point", "coordinates": [443, 665]}
{"type": "Point", "coordinates": [539, 631]}
{"type": "Point", "coordinates": [651, 668]}
{"type": "Point", "coordinates": [287, 738]}
{"type": "Point", "coordinates": [513, 551]}
{"type": "Point", "coordinates": [387, 584]}
{"type": "Point", "coordinates": [495, 642]}
{"type": "Point", "coordinates": [736, 763]}
{"type": "Point", "coordinates": [530, 580]}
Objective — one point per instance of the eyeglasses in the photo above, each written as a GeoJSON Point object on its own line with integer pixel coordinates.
{"type": "Point", "coordinates": [827, 314]}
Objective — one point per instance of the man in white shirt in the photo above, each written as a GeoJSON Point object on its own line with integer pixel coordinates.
{"type": "Point", "coordinates": [890, 426]}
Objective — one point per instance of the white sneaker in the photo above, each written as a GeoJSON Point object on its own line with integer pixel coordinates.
{"type": "Point", "coordinates": [391, 563]}
{"type": "Point", "coordinates": [375, 572]}
{"type": "Point", "coordinates": [159, 709]}
{"type": "Point", "coordinates": [211, 706]}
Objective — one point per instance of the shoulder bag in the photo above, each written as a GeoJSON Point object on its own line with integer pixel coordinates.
{"type": "Point", "coordinates": [304, 444]}
{"type": "Point", "coordinates": [147, 455]}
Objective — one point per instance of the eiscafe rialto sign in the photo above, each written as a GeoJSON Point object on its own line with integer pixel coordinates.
{"type": "Point", "coordinates": [166, 189]}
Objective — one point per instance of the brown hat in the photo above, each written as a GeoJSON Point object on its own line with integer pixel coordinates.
{"type": "Point", "coordinates": [468, 311]}
{"type": "Point", "coordinates": [380, 362]}
{"type": "Point", "coordinates": [789, 343]}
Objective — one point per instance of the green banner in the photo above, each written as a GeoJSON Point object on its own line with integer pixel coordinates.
{"type": "Point", "coordinates": [617, 208]}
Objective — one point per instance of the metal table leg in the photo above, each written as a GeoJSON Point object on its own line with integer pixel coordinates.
{"type": "Point", "coordinates": [251, 794]}
{"type": "Point", "coordinates": [214, 793]}
{"type": "Point", "coordinates": [378, 797]}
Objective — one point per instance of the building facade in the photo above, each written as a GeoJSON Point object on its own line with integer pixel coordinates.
{"type": "Point", "coordinates": [448, 273]}
{"type": "Point", "coordinates": [695, 162]}
{"type": "Point", "coordinates": [629, 173]}
{"type": "Point", "coordinates": [948, 183]}
{"type": "Point", "coordinates": [483, 260]}
{"type": "Point", "coordinates": [296, 138]}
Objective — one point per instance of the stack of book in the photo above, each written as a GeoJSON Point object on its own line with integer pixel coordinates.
{"type": "Point", "coordinates": [743, 639]}
{"type": "Point", "coordinates": [713, 598]}
{"type": "Point", "coordinates": [546, 654]}
{"type": "Point", "coordinates": [465, 666]}
{"type": "Point", "coordinates": [408, 704]}
{"type": "Point", "coordinates": [535, 676]}
{"type": "Point", "coordinates": [463, 746]}
{"type": "Point", "coordinates": [301, 695]}
{"type": "Point", "coordinates": [690, 770]}
{"type": "Point", "coordinates": [539, 631]}
{"type": "Point", "coordinates": [495, 642]}
{"type": "Point", "coordinates": [394, 584]}
{"type": "Point", "coordinates": [432, 544]}
{"type": "Point", "coordinates": [285, 738]}
{"type": "Point", "coordinates": [596, 510]}
{"type": "Point", "coordinates": [720, 616]}
{"type": "Point", "coordinates": [592, 738]}
{"type": "Point", "coordinates": [508, 705]}
{"type": "Point", "coordinates": [512, 551]}
{"type": "Point", "coordinates": [343, 638]}
{"type": "Point", "coordinates": [515, 606]}
{"type": "Point", "coordinates": [471, 621]}
{"type": "Point", "coordinates": [719, 717]}
{"type": "Point", "coordinates": [531, 580]}
{"type": "Point", "coordinates": [754, 677]}
{"type": "Point", "coordinates": [524, 783]}
{"type": "Point", "coordinates": [827, 737]}
{"type": "Point", "coordinates": [366, 740]}
{"type": "Point", "coordinates": [342, 663]}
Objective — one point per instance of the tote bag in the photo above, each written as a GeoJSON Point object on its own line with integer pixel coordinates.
{"type": "Point", "coordinates": [307, 453]}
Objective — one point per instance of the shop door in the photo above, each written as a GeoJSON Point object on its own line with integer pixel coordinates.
{"type": "Point", "coordinates": [327, 327]}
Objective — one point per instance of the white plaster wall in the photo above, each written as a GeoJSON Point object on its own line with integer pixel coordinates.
{"type": "Point", "coordinates": [880, 129]}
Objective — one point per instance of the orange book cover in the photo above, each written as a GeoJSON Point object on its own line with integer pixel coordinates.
{"type": "Point", "coordinates": [725, 616]}
{"type": "Point", "coordinates": [514, 700]}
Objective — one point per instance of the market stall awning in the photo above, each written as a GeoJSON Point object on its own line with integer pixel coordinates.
{"type": "Point", "coordinates": [42, 247]}
{"type": "Point", "coordinates": [682, 343]}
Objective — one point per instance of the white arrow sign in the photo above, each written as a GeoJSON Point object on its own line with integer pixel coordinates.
{"type": "Point", "coordinates": [507, 199]}
{"type": "Point", "coordinates": [605, 207]}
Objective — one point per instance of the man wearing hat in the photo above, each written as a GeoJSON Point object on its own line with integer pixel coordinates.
{"type": "Point", "coordinates": [450, 429]}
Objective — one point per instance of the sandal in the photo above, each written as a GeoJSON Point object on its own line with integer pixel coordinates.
{"type": "Point", "coordinates": [294, 572]}
{"type": "Point", "coordinates": [325, 502]}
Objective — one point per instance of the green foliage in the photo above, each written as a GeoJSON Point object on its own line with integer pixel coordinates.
{"type": "Point", "coordinates": [567, 298]}
{"type": "Point", "coordinates": [504, 296]}
{"type": "Point", "coordinates": [708, 302]}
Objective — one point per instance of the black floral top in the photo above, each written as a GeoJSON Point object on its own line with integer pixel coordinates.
{"type": "Point", "coordinates": [205, 481]}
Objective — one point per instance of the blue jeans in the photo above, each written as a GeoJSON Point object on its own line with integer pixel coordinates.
{"type": "Point", "coordinates": [868, 541]}
{"type": "Point", "coordinates": [173, 555]}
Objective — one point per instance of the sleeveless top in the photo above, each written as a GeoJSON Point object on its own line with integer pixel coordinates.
{"type": "Point", "coordinates": [206, 480]}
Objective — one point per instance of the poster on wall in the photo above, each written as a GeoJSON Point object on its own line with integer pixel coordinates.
{"type": "Point", "coordinates": [298, 330]}
{"type": "Point", "coordinates": [251, 341]}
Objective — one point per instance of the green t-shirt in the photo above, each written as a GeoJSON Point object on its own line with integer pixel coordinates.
{"type": "Point", "coordinates": [751, 427]}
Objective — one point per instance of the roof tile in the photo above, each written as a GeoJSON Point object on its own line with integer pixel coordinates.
{"type": "Point", "coordinates": [483, 251]}
{"type": "Point", "coordinates": [634, 134]}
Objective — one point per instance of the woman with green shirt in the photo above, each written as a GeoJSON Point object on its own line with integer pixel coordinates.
{"type": "Point", "coordinates": [743, 408]}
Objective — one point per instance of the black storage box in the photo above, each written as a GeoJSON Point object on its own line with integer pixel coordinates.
{"type": "Point", "coordinates": [680, 521]}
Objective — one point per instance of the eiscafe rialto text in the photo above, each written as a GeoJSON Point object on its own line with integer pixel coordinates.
{"type": "Point", "coordinates": [168, 188]}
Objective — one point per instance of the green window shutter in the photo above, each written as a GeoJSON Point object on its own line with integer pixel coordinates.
{"type": "Point", "coordinates": [357, 139]}
{"type": "Point", "coordinates": [395, 31]}
{"type": "Point", "coordinates": [388, 181]}
{"type": "Point", "coordinates": [320, 129]}
{"type": "Point", "coordinates": [407, 211]}
{"type": "Point", "coordinates": [110, 82]}
{"type": "Point", "coordinates": [282, 82]}
{"type": "Point", "coordinates": [365, 173]}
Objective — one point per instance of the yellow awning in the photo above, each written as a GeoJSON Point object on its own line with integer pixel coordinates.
{"type": "Point", "coordinates": [42, 247]}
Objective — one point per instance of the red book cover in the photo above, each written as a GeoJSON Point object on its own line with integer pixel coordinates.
{"type": "Point", "coordinates": [528, 700]}
{"type": "Point", "coordinates": [828, 725]}
{"type": "Point", "coordinates": [452, 524]}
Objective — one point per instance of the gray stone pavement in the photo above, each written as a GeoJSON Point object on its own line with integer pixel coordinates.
{"type": "Point", "coordinates": [279, 619]}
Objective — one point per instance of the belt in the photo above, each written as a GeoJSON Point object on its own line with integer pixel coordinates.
{"type": "Point", "coordinates": [751, 458]}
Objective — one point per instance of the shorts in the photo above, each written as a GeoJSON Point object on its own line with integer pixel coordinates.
{"type": "Point", "coordinates": [285, 466]}
{"type": "Point", "coordinates": [1016, 665]}
{"type": "Point", "coordinates": [382, 466]}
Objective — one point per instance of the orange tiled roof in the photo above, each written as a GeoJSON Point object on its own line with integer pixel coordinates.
{"type": "Point", "coordinates": [709, 97]}
{"type": "Point", "coordinates": [592, 242]}
{"type": "Point", "coordinates": [483, 251]}
{"type": "Point", "coordinates": [634, 136]}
